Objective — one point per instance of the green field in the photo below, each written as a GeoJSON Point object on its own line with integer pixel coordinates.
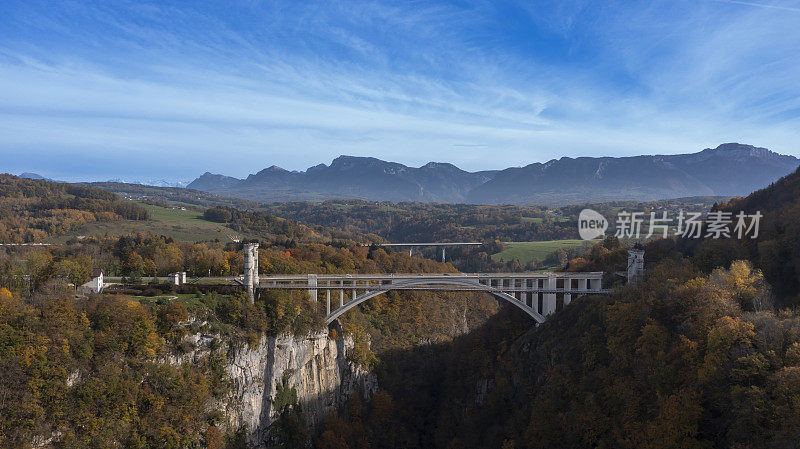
{"type": "Point", "coordinates": [528, 251]}
{"type": "Point", "coordinates": [182, 225]}
{"type": "Point", "coordinates": [165, 299]}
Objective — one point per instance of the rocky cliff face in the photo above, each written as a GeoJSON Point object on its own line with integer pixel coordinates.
{"type": "Point", "coordinates": [315, 365]}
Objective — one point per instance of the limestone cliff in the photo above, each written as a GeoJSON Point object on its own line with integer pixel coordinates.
{"type": "Point", "coordinates": [315, 365]}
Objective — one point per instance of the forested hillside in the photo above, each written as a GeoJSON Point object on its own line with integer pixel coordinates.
{"type": "Point", "coordinates": [84, 370]}
{"type": "Point", "coordinates": [685, 360]}
{"type": "Point", "coordinates": [777, 250]}
{"type": "Point", "coordinates": [704, 353]}
{"type": "Point", "coordinates": [31, 209]}
{"type": "Point", "coordinates": [35, 211]}
{"type": "Point", "coordinates": [426, 222]}
{"type": "Point", "coordinates": [91, 367]}
{"type": "Point", "coordinates": [139, 192]}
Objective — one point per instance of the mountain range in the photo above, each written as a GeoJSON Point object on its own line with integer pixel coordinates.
{"type": "Point", "coordinates": [150, 182]}
{"type": "Point", "coordinates": [144, 182]}
{"type": "Point", "coordinates": [730, 169]}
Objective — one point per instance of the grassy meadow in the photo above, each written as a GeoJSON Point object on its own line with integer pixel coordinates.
{"type": "Point", "coordinates": [528, 251]}
{"type": "Point", "coordinates": [182, 225]}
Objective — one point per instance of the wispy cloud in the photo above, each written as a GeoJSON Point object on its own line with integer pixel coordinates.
{"type": "Point", "coordinates": [234, 87]}
{"type": "Point", "coordinates": [760, 5]}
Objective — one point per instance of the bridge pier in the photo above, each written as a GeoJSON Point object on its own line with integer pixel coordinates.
{"type": "Point", "coordinates": [549, 303]}
{"type": "Point", "coordinates": [567, 289]}
{"type": "Point", "coordinates": [530, 300]}
{"type": "Point", "coordinates": [312, 291]}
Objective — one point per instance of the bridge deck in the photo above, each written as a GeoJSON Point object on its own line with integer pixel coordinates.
{"type": "Point", "coordinates": [541, 282]}
{"type": "Point", "coordinates": [394, 276]}
{"type": "Point", "coordinates": [446, 288]}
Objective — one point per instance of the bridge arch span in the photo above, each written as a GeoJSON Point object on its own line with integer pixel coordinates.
{"type": "Point", "coordinates": [473, 285]}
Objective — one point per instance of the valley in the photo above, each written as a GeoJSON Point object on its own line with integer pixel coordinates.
{"type": "Point", "coordinates": [368, 376]}
{"type": "Point", "coordinates": [399, 225]}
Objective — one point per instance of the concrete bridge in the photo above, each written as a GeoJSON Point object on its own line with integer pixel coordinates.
{"type": "Point", "coordinates": [537, 294]}
{"type": "Point", "coordinates": [440, 245]}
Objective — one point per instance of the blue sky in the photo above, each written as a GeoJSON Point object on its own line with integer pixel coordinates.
{"type": "Point", "coordinates": [147, 90]}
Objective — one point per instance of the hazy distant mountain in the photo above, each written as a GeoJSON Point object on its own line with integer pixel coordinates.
{"type": "Point", "coordinates": [30, 175]}
{"type": "Point", "coordinates": [350, 177]}
{"type": "Point", "coordinates": [209, 182]}
{"type": "Point", "coordinates": [150, 182]}
{"type": "Point", "coordinates": [729, 170]}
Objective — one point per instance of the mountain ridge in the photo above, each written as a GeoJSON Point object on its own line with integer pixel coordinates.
{"type": "Point", "coordinates": [730, 169]}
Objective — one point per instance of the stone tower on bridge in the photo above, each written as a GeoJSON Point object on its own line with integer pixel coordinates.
{"type": "Point", "coordinates": [635, 265]}
{"type": "Point", "coordinates": [251, 269]}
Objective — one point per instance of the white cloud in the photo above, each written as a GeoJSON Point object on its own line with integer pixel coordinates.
{"type": "Point", "coordinates": [192, 91]}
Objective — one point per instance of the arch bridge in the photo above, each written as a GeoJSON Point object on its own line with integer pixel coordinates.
{"type": "Point", "coordinates": [537, 294]}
